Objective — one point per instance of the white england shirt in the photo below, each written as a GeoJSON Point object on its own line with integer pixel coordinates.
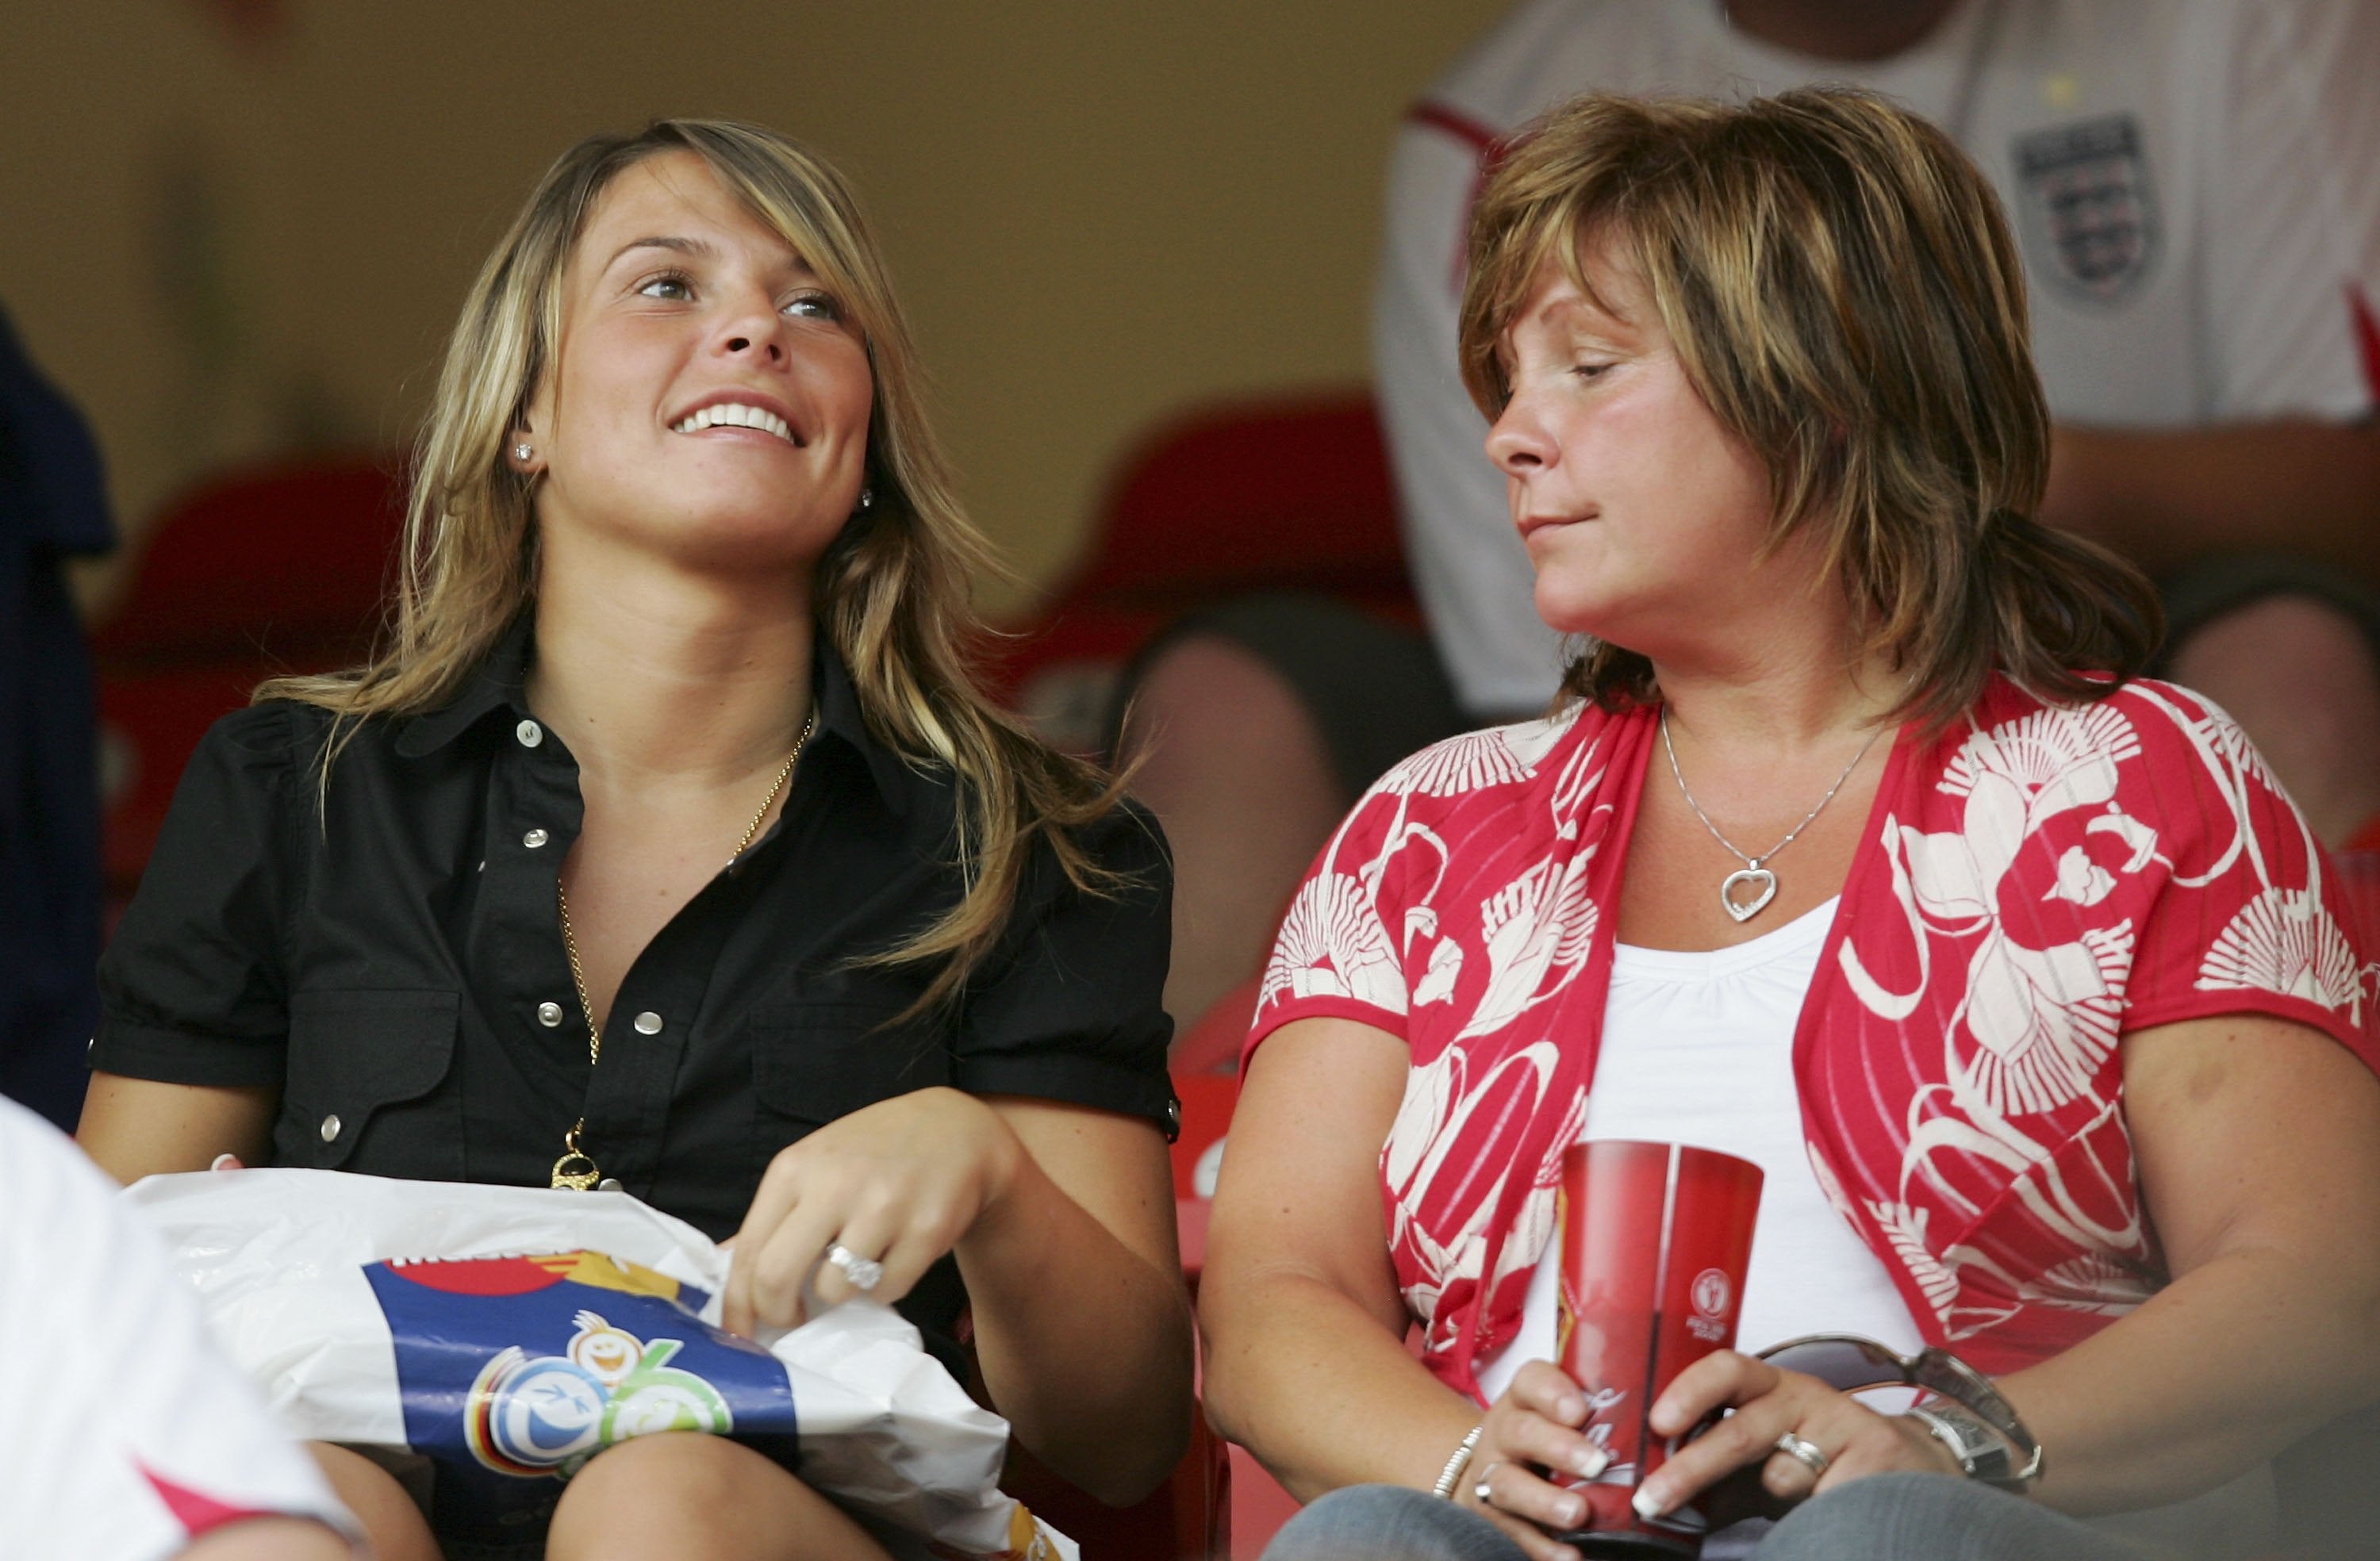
{"type": "Point", "coordinates": [2195, 186]}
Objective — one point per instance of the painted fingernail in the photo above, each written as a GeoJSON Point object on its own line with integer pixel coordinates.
{"type": "Point", "coordinates": [1647, 1503]}
{"type": "Point", "coordinates": [1570, 1510]}
{"type": "Point", "coordinates": [1592, 1462]}
{"type": "Point", "coordinates": [1571, 1408]}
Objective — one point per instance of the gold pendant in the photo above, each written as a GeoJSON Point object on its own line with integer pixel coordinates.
{"type": "Point", "coordinates": [574, 1173]}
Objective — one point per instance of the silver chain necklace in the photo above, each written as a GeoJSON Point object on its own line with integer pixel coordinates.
{"type": "Point", "coordinates": [1753, 875]}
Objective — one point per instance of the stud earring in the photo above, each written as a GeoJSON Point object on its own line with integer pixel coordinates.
{"type": "Point", "coordinates": [866, 497]}
{"type": "Point", "coordinates": [522, 452]}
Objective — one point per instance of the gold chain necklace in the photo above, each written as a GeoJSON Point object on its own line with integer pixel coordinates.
{"type": "Point", "coordinates": [576, 1171]}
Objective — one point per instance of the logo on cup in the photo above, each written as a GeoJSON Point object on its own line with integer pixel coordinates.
{"type": "Point", "coordinates": [1712, 1294]}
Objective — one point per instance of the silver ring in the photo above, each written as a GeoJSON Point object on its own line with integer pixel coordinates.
{"type": "Point", "coordinates": [864, 1273]}
{"type": "Point", "coordinates": [1479, 1491]}
{"type": "Point", "coordinates": [1806, 1451]}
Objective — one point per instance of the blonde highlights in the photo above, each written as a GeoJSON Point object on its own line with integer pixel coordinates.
{"type": "Point", "coordinates": [1841, 288]}
{"type": "Point", "coordinates": [892, 593]}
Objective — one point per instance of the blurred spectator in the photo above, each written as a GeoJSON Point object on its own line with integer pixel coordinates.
{"type": "Point", "coordinates": [130, 1440]}
{"type": "Point", "coordinates": [2196, 189]}
{"type": "Point", "coordinates": [53, 507]}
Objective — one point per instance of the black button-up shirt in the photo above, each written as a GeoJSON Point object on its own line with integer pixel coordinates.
{"type": "Point", "coordinates": [388, 957]}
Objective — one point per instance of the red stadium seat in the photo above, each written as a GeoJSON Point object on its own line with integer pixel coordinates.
{"type": "Point", "coordinates": [277, 569]}
{"type": "Point", "coordinates": [1238, 497]}
{"type": "Point", "coordinates": [1188, 1518]}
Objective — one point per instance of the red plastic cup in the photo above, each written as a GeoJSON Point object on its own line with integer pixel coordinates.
{"type": "Point", "coordinates": [1655, 1240]}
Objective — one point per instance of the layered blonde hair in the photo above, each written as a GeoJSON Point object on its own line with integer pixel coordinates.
{"type": "Point", "coordinates": [891, 592]}
{"type": "Point", "coordinates": [1839, 284]}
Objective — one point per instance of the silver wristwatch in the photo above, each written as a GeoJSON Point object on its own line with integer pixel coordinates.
{"type": "Point", "coordinates": [1984, 1452]}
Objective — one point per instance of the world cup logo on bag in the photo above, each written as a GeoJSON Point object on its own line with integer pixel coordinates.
{"type": "Point", "coordinates": [530, 1415]}
{"type": "Point", "coordinates": [1713, 1296]}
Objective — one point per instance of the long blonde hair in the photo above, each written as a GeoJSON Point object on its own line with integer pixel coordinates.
{"type": "Point", "coordinates": [891, 592]}
{"type": "Point", "coordinates": [1841, 288]}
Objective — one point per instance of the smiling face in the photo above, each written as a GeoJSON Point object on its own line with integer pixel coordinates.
{"type": "Point", "coordinates": [708, 399]}
{"type": "Point", "coordinates": [1642, 515]}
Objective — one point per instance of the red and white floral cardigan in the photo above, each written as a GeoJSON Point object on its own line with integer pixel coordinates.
{"type": "Point", "coordinates": [2031, 885]}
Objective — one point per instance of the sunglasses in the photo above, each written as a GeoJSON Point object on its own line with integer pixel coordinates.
{"type": "Point", "coordinates": [1848, 1363]}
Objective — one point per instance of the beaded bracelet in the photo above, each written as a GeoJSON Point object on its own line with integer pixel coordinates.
{"type": "Point", "coordinates": [1452, 1474]}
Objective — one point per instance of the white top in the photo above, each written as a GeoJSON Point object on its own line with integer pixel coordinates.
{"type": "Point", "coordinates": [126, 1436]}
{"type": "Point", "coordinates": [2235, 145]}
{"type": "Point", "coordinates": [1699, 1050]}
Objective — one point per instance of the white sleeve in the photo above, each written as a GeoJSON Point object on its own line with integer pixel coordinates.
{"type": "Point", "coordinates": [1468, 565]}
{"type": "Point", "coordinates": [126, 1436]}
{"type": "Point", "coordinates": [2294, 220]}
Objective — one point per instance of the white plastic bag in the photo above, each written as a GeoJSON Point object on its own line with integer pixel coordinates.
{"type": "Point", "coordinates": [510, 1334]}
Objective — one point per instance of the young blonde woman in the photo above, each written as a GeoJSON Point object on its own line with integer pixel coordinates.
{"type": "Point", "coordinates": [670, 848]}
{"type": "Point", "coordinates": [1855, 849]}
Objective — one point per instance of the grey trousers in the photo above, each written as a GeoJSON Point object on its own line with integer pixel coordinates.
{"type": "Point", "coordinates": [1888, 1517]}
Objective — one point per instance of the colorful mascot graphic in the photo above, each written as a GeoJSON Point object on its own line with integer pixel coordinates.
{"type": "Point", "coordinates": [543, 1414]}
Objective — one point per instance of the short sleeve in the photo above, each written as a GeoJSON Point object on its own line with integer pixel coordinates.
{"type": "Point", "coordinates": [2249, 916]}
{"type": "Point", "coordinates": [1333, 957]}
{"type": "Point", "coordinates": [138, 1437]}
{"type": "Point", "coordinates": [1071, 1006]}
{"type": "Point", "coordinates": [192, 987]}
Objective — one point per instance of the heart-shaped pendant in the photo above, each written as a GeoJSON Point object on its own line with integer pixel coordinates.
{"type": "Point", "coordinates": [1763, 886]}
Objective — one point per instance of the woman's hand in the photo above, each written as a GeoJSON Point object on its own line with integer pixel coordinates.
{"type": "Point", "coordinates": [1854, 1440]}
{"type": "Point", "coordinates": [1534, 1425]}
{"type": "Point", "coordinates": [898, 1182]}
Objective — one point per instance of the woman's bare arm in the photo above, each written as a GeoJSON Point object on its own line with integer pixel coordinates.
{"type": "Point", "coordinates": [138, 1126]}
{"type": "Point", "coordinates": [2170, 498]}
{"type": "Point", "coordinates": [1305, 1359]}
{"type": "Point", "coordinates": [1081, 1325]}
{"type": "Point", "coordinates": [2258, 1145]}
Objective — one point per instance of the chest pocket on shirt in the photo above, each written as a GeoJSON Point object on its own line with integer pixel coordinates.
{"type": "Point", "coordinates": [363, 1085]}
{"type": "Point", "coordinates": [812, 1062]}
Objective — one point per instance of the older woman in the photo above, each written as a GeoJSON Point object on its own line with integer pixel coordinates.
{"type": "Point", "coordinates": [669, 848]}
{"type": "Point", "coordinates": [1856, 850]}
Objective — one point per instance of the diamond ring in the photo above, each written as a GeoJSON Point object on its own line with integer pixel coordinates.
{"type": "Point", "coordinates": [864, 1273]}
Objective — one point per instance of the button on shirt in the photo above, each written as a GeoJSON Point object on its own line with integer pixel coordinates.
{"type": "Point", "coordinates": [388, 957]}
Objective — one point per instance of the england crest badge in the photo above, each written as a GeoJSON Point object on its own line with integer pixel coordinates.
{"type": "Point", "coordinates": [2087, 208]}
